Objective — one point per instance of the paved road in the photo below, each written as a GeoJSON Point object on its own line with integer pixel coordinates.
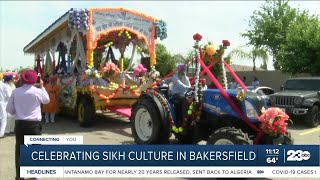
{"type": "Point", "coordinates": [113, 130]}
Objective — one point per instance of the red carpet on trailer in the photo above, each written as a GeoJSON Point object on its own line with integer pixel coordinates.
{"type": "Point", "coordinates": [124, 111]}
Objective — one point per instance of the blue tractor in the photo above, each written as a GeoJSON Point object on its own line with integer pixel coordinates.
{"type": "Point", "coordinates": [217, 116]}
{"type": "Point", "coordinates": [218, 122]}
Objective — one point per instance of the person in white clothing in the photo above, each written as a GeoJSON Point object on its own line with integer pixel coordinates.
{"type": "Point", "coordinates": [9, 81]}
{"type": "Point", "coordinates": [232, 84]}
{"type": "Point", "coordinates": [203, 83]}
{"type": "Point", "coordinates": [255, 82]}
{"type": "Point", "coordinates": [181, 85]}
{"type": "Point", "coordinates": [4, 97]}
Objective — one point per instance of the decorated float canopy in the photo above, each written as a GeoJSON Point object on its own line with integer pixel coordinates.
{"type": "Point", "coordinates": [99, 26]}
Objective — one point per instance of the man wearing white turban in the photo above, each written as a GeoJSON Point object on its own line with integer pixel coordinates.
{"type": "Point", "coordinates": [180, 86]}
{"type": "Point", "coordinates": [181, 82]}
{"type": "Point", "coordinates": [4, 97]}
{"type": "Point", "coordinates": [9, 81]}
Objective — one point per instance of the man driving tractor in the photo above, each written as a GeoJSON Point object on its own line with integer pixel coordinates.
{"type": "Point", "coordinates": [180, 86]}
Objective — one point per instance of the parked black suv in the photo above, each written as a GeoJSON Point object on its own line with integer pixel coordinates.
{"type": "Point", "coordinates": [300, 97]}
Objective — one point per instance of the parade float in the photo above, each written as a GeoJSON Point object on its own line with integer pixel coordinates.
{"type": "Point", "coordinates": [86, 48]}
{"type": "Point", "coordinates": [93, 77]}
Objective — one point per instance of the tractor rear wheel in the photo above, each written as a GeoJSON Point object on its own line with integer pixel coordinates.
{"type": "Point", "coordinates": [229, 136]}
{"type": "Point", "coordinates": [86, 112]}
{"type": "Point", "coordinates": [146, 123]}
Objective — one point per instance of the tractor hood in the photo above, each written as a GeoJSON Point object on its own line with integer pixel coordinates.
{"type": "Point", "coordinates": [214, 100]}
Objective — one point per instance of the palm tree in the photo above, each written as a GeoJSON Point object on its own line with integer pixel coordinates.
{"type": "Point", "coordinates": [254, 54]}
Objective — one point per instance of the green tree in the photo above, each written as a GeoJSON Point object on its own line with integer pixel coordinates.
{"type": "Point", "coordinates": [254, 54]}
{"type": "Point", "coordinates": [268, 26]}
{"type": "Point", "coordinates": [178, 58]}
{"type": "Point", "coordinates": [165, 62]}
{"type": "Point", "coordinates": [301, 53]}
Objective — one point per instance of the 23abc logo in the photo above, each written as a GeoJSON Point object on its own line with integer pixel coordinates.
{"type": "Point", "coordinates": [298, 155]}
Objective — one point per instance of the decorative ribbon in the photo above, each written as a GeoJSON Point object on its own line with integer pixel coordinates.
{"type": "Point", "coordinates": [210, 65]}
{"type": "Point", "coordinates": [174, 71]}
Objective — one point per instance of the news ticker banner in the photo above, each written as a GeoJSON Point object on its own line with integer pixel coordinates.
{"type": "Point", "coordinates": [169, 172]}
{"type": "Point", "coordinates": [111, 161]}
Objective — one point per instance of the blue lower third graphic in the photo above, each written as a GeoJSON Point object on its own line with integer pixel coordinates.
{"type": "Point", "coordinates": [169, 155]}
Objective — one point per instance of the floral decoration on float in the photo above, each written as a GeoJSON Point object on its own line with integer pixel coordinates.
{"type": "Point", "coordinates": [274, 121]}
{"type": "Point", "coordinates": [140, 71]}
{"type": "Point", "coordinates": [109, 70]}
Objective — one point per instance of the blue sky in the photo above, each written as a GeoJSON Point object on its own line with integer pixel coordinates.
{"type": "Point", "coordinates": [22, 21]}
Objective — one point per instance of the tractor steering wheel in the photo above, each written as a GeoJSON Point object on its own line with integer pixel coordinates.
{"type": "Point", "coordinates": [190, 93]}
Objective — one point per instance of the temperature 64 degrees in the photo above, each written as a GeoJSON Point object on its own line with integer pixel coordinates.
{"type": "Point", "coordinates": [272, 160]}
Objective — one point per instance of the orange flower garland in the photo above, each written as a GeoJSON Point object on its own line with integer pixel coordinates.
{"type": "Point", "coordinates": [106, 33]}
{"type": "Point", "coordinates": [153, 52]}
{"type": "Point", "coordinates": [92, 44]}
{"type": "Point", "coordinates": [89, 40]}
{"type": "Point", "coordinates": [107, 98]}
{"type": "Point", "coordinates": [154, 84]}
{"type": "Point", "coordinates": [134, 92]}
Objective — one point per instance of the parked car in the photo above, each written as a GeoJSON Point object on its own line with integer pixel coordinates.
{"type": "Point", "coordinates": [263, 91]}
{"type": "Point", "coordinates": [300, 98]}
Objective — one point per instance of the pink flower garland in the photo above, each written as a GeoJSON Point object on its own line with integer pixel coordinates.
{"type": "Point", "coordinates": [110, 69]}
{"type": "Point", "coordinates": [140, 71]}
{"type": "Point", "coordinates": [274, 121]}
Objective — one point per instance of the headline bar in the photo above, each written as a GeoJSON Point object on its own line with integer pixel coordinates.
{"type": "Point", "coordinates": [169, 155]}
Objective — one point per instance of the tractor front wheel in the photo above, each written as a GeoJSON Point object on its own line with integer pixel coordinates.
{"type": "Point", "coordinates": [146, 123]}
{"type": "Point", "coordinates": [229, 136]}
